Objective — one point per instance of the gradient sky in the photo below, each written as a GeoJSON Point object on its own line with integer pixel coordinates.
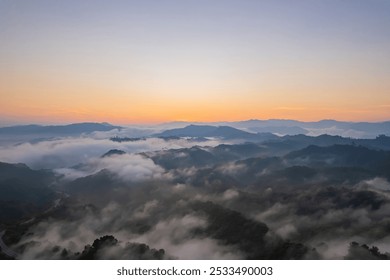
{"type": "Point", "coordinates": [194, 60]}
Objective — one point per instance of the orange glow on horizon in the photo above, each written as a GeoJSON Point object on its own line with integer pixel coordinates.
{"type": "Point", "coordinates": [37, 101]}
{"type": "Point", "coordinates": [161, 113]}
{"type": "Point", "coordinates": [132, 63]}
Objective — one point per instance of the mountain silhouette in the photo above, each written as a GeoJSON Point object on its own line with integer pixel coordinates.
{"type": "Point", "coordinates": [224, 132]}
{"type": "Point", "coordinates": [59, 130]}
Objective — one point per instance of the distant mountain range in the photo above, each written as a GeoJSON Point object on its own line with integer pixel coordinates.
{"type": "Point", "coordinates": [59, 130]}
{"type": "Point", "coordinates": [268, 132]}
{"type": "Point", "coordinates": [292, 127]}
{"type": "Point", "coordinates": [251, 130]}
{"type": "Point", "coordinates": [225, 132]}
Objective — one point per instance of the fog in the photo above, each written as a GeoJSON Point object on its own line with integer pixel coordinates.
{"type": "Point", "coordinates": [66, 152]}
{"type": "Point", "coordinates": [183, 198]}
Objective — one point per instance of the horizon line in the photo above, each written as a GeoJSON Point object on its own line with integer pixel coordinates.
{"type": "Point", "coordinates": [17, 123]}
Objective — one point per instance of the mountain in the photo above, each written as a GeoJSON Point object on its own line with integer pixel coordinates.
{"type": "Point", "coordinates": [224, 132]}
{"type": "Point", "coordinates": [248, 130]}
{"type": "Point", "coordinates": [57, 130]}
{"type": "Point", "coordinates": [249, 236]}
{"type": "Point", "coordinates": [113, 152]}
{"type": "Point", "coordinates": [332, 127]}
{"type": "Point", "coordinates": [284, 130]}
{"type": "Point", "coordinates": [201, 131]}
{"type": "Point", "coordinates": [343, 155]}
{"type": "Point", "coordinates": [288, 197]}
{"type": "Point", "coordinates": [293, 127]}
{"type": "Point", "coordinates": [104, 247]}
{"type": "Point", "coordinates": [204, 157]}
{"type": "Point", "coordinates": [23, 192]}
{"type": "Point", "coordinates": [289, 143]}
{"type": "Point", "coordinates": [184, 158]}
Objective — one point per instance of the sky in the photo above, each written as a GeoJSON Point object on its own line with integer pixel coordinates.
{"type": "Point", "coordinates": [129, 62]}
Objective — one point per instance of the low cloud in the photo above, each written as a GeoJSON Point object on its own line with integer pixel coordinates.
{"type": "Point", "coordinates": [176, 237]}
{"type": "Point", "coordinates": [171, 231]}
{"type": "Point", "coordinates": [337, 132]}
{"type": "Point", "coordinates": [230, 194]}
{"type": "Point", "coordinates": [177, 209]}
{"type": "Point", "coordinates": [379, 184]}
{"type": "Point", "coordinates": [127, 167]}
{"type": "Point", "coordinates": [67, 152]}
{"type": "Point", "coordinates": [130, 167]}
{"type": "Point", "coordinates": [232, 168]}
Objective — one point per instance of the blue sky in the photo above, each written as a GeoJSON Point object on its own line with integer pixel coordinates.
{"type": "Point", "coordinates": [315, 59]}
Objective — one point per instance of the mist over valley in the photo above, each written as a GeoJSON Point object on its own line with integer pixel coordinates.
{"type": "Point", "coordinates": [276, 189]}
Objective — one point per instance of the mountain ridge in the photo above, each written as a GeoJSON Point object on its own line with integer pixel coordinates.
{"type": "Point", "coordinates": [225, 132]}
{"type": "Point", "coordinates": [74, 128]}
